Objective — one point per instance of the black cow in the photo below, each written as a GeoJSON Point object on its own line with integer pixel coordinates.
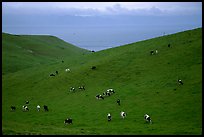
{"type": "Point", "coordinates": [57, 72]}
{"type": "Point", "coordinates": [13, 108]}
{"type": "Point", "coordinates": [169, 45]}
{"type": "Point", "coordinates": [52, 74]}
{"type": "Point", "coordinates": [93, 67]}
{"type": "Point", "coordinates": [68, 121]}
{"type": "Point", "coordinates": [151, 52]}
{"type": "Point", "coordinates": [118, 102]}
{"type": "Point", "coordinates": [45, 108]}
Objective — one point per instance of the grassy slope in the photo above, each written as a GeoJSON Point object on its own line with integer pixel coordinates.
{"type": "Point", "coordinates": [23, 51]}
{"type": "Point", "coordinates": [144, 83]}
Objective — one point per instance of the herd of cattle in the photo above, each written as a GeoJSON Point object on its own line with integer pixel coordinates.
{"type": "Point", "coordinates": [107, 93]}
{"type": "Point", "coordinates": [25, 107]}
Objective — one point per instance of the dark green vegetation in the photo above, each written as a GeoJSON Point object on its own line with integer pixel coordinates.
{"type": "Point", "coordinates": [144, 83]}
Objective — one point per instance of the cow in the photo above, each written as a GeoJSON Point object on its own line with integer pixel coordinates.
{"type": "Point", "coordinates": [82, 87]}
{"type": "Point", "coordinates": [68, 121]}
{"type": "Point", "coordinates": [169, 45]}
{"type": "Point", "coordinates": [110, 90]}
{"type": "Point", "coordinates": [93, 67]}
{"type": "Point", "coordinates": [118, 102]}
{"type": "Point", "coordinates": [13, 108]}
{"type": "Point", "coordinates": [38, 107]}
{"type": "Point", "coordinates": [72, 89]}
{"type": "Point", "coordinates": [25, 108]}
{"type": "Point", "coordinates": [156, 51]}
{"type": "Point", "coordinates": [104, 93]}
{"type": "Point", "coordinates": [147, 118]}
{"type": "Point", "coordinates": [27, 102]}
{"type": "Point", "coordinates": [123, 114]}
{"type": "Point", "coordinates": [67, 70]}
{"type": "Point", "coordinates": [52, 74]}
{"type": "Point", "coordinates": [108, 93]}
{"type": "Point", "coordinates": [109, 117]}
{"type": "Point", "coordinates": [180, 82]}
{"type": "Point", "coordinates": [57, 72]}
{"type": "Point", "coordinates": [152, 52]}
{"type": "Point", "coordinates": [45, 108]}
{"type": "Point", "coordinates": [99, 97]}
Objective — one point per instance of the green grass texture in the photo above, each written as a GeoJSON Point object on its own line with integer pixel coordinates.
{"type": "Point", "coordinates": [144, 83]}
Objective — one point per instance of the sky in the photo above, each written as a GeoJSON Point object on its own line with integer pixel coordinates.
{"type": "Point", "coordinates": [100, 25]}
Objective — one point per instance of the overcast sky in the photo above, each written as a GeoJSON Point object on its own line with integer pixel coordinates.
{"type": "Point", "coordinates": [87, 19]}
{"type": "Point", "coordinates": [105, 8]}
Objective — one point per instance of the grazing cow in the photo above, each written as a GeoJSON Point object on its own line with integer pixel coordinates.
{"type": "Point", "coordinates": [118, 102]}
{"type": "Point", "coordinates": [25, 108]}
{"type": "Point", "coordinates": [110, 90]}
{"type": "Point", "coordinates": [123, 114]}
{"type": "Point", "coordinates": [38, 107]}
{"type": "Point", "coordinates": [27, 102]}
{"type": "Point", "coordinates": [156, 51]}
{"type": "Point", "coordinates": [108, 93]}
{"type": "Point", "coordinates": [45, 108]}
{"type": "Point", "coordinates": [82, 87]}
{"type": "Point", "coordinates": [68, 121]}
{"type": "Point", "coordinates": [180, 82]}
{"type": "Point", "coordinates": [13, 108]}
{"type": "Point", "coordinates": [151, 52]}
{"type": "Point", "coordinates": [169, 45]}
{"type": "Point", "coordinates": [104, 93]}
{"type": "Point", "coordinates": [99, 97]}
{"type": "Point", "coordinates": [67, 70]}
{"type": "Point", "coordinates": [62, 61]}
{"type": "Point", "coordinates": [72, 89]}
{"type": "Point", "coordinates": [52, 74]}
{"type": "Point", "coordinates": [109, 117]}
{"type": "Point", "coordinates": [147, 118]}
{"type": "Point", "coordinates": [93, 67]}
{"type": "Point", "coordinates": [57, 72]}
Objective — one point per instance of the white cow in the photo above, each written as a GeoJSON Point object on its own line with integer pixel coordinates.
{"type": "Point", "coordinates": [156, 51]}
{"type": "Point", "coordinates": [147, 118]}
{"type": "Point", "coordinates": [38, 107]}
{"type": "Point", "coordinates": [123, 114]}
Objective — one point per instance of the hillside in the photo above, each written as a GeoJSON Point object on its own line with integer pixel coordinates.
{"type": "Point", "coordinates": [144, 83]}
{"type": "Point", "coordinates": [23, 51]}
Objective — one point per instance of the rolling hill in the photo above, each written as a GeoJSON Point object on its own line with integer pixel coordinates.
{"type": "Point", "coordinates": [144, 83]}
{"type": "Point", "coordinates": [23, 51]}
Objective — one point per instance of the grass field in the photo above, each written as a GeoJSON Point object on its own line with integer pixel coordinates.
{"type": "Point", "coordinates": [144, 83]}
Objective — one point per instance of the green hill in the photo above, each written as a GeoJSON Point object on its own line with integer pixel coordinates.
{"type": "Point", "coordinates": [23, 51]}
{"type": "Point", "coordinates": [144, 83]}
